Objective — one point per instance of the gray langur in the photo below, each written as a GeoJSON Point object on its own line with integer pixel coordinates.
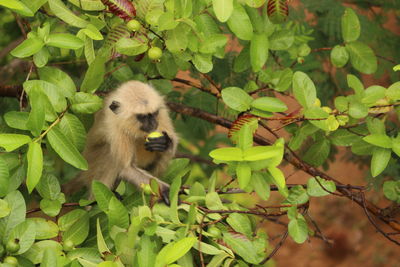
{"type": "Point", "coordinates": [116, 147]}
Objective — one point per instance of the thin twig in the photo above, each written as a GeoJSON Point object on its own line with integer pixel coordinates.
{"type": "Point", "coordinates": [277, 247]}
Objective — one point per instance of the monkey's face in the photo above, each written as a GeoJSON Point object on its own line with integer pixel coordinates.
{"type": "Point", "coordinates": [134, 122]}
{"type": "Point", "coordinates": [148, 122]}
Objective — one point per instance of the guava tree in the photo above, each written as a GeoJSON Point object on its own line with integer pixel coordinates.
{"type": "Point", "coordinates": [232, 63]}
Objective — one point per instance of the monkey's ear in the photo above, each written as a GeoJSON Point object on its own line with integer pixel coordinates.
{"type": "Point", "coordinates": [114, 106]}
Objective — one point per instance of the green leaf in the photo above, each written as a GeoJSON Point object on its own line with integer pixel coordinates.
{"type": "Point", "coordinates": [175, 250]}
{"type": "Point", "coordinates": [16, 204]}
{"type": "Point", "coordinates": [281, 40]}
{"type": "Point", "coordinates": [260, 185]}
{"type": "Point", "coordinates": [167, 66]}
{"type": "Point", "coordinates": [68, 219]}
{"type": "Point", "coordinates": [16, 119]}
{"type": "Point", "coordinates": [343, 137]}
{"type": "Point", "coordinates": [176, 40]}
{"type": "Point", "coordinates": [258, 51]}
{"type": "Point", "coordinates": [391, 190]}
{"type": "Point", "coordinates": [101, 243]}
{"type": "Point", "coordinates": [49, 258]}
{"type": "Point", "coordinates": [117, 214]}
{"type": "Point", "coordinates": [4, 178]}
{"type": "Point", "coordinates": [223, 9]}
{"type": "Point", "coordinates": [240, 24]}
{"type": "Point", "coordinates": [12, 4]}
{"type": "Point", "coordinates": [360, 147]}
{"type": "Point", "coordinates": [357, 109]}
{"type": "Point", "coordinates": [203, 63]}
{"type": "Point", "coordinates": [147, 253]}
{"type": "Point", "coordinates": [261, 152]}
{"type": "Point", "coordinates": [255, 3]}
{"type": "Point", "coordinates": [50, 207]}
{"type": "Point", "coordinates": [35, 165]}
{"type": "Point", "coordinates": [381, 140]}
{"type": "Point", "coordinates": [362, 57]}
{"type": "Point", "coordinates": [10, 142]}
{"type": "Point", "coordinates": [314, 188]}
{"type": "Point", "coordinates": [242, 61]}
{"type": "Point", "coordinates": [304, 89]}
{"type": "Point", "coordinates": [64, 40]}
{"type": "Point", "coordinates": [278, 177]}
{"type": "Point", "coordinates": [66, 15]}
{"type": "Point", "coordinates": [78, 231]}
{"type": "Point", "coordinates": [36, 252]}
{"type": "Point", "coordinates": [54, 93]}
{"type": "Point", "coordinates": [36, 118]}
{"type": "Point", "coordinates": [318, 152]}
{"type": "Point", "coordinates": [167, 21]}
{"type": "Point", "coordinates": [86, 103]}
{"type": "Point", "coordinates": [58, 78]}
{"type": "Point", "coordinates": [74, 130]}
{"type": "Point", "coordinates": [355, 83]}
{"type": "Point", "coordinates": [243, 173]}
{"type": "Point", "coordinates": [298, 229]}
{"type": "Point", "coordinates": [94, 76]}
{"type": "Point", "coordinates": [271, 104]}
{"type": "Point", "coordinates": [341, 103]}
{"type": "Point", "coordinates": [25, 233]}
{"type": "Point", "coordinates": [393, 92]}
{"type": "Point", "coordinates": [244, 137]}
{"type": "Point", "coordinates": [396, 145]}
{"type": "Point", "coordinates": [66, 149]}
{"type": "Point", "coordinates": [214, 42]}
{"type": "Point", "coordinates": [297, 195]}
{"type": "Point", "coordinates": [4, 208]}
{"type": "Point", "coordinates": [317, 116]}
{"type": "Point", "coordinates": [130, 47]}
{"type": "Point", "coordinates": [243, 247]}
{"type": "Point", "coordinates": [102, 194]}
{"type": "Point", "coordinates": [339, 56]}
{"type": "Point", "coordinates": [92, 32]}
{"type": "Point", "coordinates": [27, 48]}
{"type": "Point", "coordinates": [350, 25]}
{"type": "Point", "coordinates": [49, 187]}
{"type": "Point", "coordinates": [373, 94]}
{"type": "Point", "coordinates": [236, 98]}
{"type": "Point", "coordinates": [41, 58]}
{"type": "Point", "coordinates": [227, 154]}
{"type": "Point", "coordinates": [45, 229]}
{"type": "Point", "coordinates": [380, 159]}
{"type": "Point", "coordinates": [240, 223]}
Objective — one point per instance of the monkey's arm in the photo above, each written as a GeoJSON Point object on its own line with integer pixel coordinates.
{"type": "Point", "coordinates": [138, 177]}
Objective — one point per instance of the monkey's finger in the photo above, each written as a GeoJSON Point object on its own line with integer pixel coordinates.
{"type": "Point", "coordinates": [157, 148]}
{"type": "Point", "coordinates": [157, 140]}
{"type": "Point", "coordinates": [153, 145]}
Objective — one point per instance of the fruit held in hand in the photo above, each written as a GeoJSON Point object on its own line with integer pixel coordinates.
{"type": "Point", "coordinates": [133, 25]}
{"type": "Point", "coordinates": [154, 53]}
{"type": "Point", "coordinates": [153, 135]}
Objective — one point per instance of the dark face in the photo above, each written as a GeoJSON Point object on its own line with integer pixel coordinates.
{"type": "Point", "coordinates": [148, 121]}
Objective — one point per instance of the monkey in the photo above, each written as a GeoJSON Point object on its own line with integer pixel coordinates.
{"type": "Point", "coordinates": [116, 147]}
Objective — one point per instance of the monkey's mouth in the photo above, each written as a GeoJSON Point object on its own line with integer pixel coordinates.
{"type": "Point", "coordinates": [149, 127]}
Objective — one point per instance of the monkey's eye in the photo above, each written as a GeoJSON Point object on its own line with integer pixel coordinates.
{"type": "Point", "coordinates": [114, 106]}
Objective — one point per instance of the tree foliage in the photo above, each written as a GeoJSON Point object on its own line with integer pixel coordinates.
{"type": "Point", "coordinates": [245, 59]}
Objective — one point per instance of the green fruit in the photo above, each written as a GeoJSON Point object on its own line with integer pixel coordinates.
{"type": "Point", "coordinates": [153, 135]}
{"type": "Point", "coordinates": [12, 246]}
{"type": "Point", "coordinates": [68, 245]}
{"type": "Point", "coordinates": [11, 260]}
{"type": "Point", "coordinates": [133, 25]}
{"type": "Point", "coordinates": [214, 231]}
{"type": "Point", "coordinates": [147, 189]}
{"type": "Point", "coordinates": [154, 53]}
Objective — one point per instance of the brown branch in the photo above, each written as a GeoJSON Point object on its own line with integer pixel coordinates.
{"type": "Point", "coordinates": [194, 158]}
{"type": "Point", "coordinates": [277, 247]}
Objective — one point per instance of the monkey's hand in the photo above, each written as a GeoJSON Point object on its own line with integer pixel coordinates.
{"type": "Point", "coordinates": [159, 144]}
